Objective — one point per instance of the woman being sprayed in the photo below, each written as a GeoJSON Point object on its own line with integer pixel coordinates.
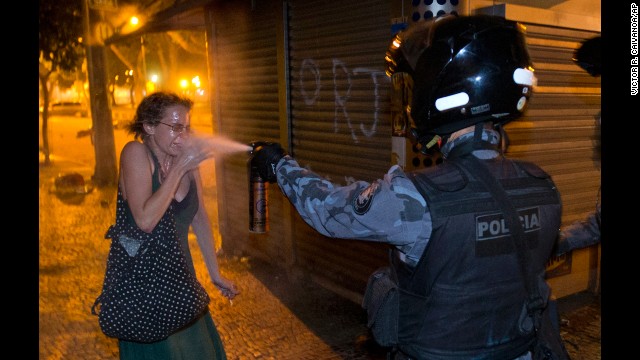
{"type": "Point", "coordinates": [155, 172]}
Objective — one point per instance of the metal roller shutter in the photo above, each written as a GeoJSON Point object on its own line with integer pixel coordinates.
{"type": "Point", "coordinates": [560, 133]}
{"type": "Point", "coordinates": [244, 62]}
{"type": "Point", "coordinates": [340, 118]}
{"type": "Point", "coordinates": [559, 130]}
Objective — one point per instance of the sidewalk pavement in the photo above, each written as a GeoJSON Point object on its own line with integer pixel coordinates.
{"type": "Point", "coordinates": [272, 318]}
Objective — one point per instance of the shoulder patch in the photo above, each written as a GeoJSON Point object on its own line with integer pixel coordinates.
{"type": "Point", "coordinates": [362, 202]}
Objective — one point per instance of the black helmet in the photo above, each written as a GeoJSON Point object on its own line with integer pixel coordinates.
{"type": "Point", "coordinates": [588, 56]}
{"type": "Point", "coordinates": [465, 70]}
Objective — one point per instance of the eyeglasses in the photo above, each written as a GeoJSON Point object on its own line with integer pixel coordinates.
{"type": "Point", "coordinates": [177, 128]}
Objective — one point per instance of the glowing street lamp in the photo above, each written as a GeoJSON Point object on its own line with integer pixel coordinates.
{"type": "Point", "coordinates": [196, 81]}
{"type": "Point", "coordinates": [151, 83]}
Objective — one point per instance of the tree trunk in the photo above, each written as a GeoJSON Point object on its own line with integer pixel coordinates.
{"type": "Point", "coordinates": [104, 145]}
{"type": "Point", "coordinates": [45, 120]}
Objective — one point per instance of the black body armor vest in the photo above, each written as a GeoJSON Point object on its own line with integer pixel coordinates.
{"type": "Point", "coordinates": [466, 298]}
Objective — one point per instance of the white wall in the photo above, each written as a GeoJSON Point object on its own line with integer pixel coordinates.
{"type": "Point", "coordinates": [577, 7]}
{"type": "Point", "coordinates": [572, 14]}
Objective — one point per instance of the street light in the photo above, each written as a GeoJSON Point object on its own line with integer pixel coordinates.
{"type": "Point", "coordinates": [128, 26]}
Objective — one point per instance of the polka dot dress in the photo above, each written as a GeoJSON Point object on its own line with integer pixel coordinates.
{"type": "Point", "coordinates": [148, 291]}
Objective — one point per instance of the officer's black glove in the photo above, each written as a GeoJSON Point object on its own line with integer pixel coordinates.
{"type": "Point", "coordinates": [265, 157]}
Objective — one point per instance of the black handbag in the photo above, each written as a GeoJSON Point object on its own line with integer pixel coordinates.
{"type": "Point", "coordinates": [148, 291]}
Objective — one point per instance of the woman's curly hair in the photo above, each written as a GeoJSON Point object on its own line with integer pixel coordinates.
{"type": "Point", "coordinates": [151, 110]}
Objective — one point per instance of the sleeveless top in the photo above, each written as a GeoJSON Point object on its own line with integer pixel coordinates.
{"type": "Point", "coordinates": [184, 211]}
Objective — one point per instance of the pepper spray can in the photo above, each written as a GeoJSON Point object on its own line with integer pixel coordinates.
{"type": "Point", "coordinates": [258, 192]}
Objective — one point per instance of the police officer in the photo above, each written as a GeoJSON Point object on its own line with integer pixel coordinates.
{"type": "Point", "coordinates": [463, 293]}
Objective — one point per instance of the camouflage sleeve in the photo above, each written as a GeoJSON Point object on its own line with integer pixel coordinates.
{"type": "Point", "coordinates": [579, 234]}
{"type": "Point", "coordinates": [387, 210]}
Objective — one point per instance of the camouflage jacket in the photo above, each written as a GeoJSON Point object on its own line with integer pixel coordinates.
{"type": "Point", "coordinates": [388, 210]}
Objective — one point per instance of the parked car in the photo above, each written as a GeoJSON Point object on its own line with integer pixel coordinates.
{"type": "Point", "coordinates": [68, 108]}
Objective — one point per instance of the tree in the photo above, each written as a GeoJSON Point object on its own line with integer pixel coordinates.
{"type": "Point", "coordinates": [65, 40]}
{"type": "Point", "coordinates": [67, 37]}
{"type": "Point", "coordinates": [60, 48]}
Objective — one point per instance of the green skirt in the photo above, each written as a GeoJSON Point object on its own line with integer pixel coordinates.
{"type": "Point", "coordinates": [198, 341]}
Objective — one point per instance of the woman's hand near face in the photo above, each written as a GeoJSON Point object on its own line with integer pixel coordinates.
{"type": "Point", "coordinates": [194, 151]}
